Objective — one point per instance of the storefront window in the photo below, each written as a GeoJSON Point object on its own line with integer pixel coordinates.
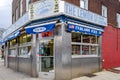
{"type": "Point", "coordinates": [24, 50]}
{"type": "Point", "coordinates": [76, 37]}
{"type": "Point", "coordinates": [24, 38]}
{"type": "Point", "coordinates": [94, 39]}
{"type": "Point", "coordinates": [86, 38]}
{"type": "Point", "coordinates": [12, 43]}
{"type": "Point", "coordinates": [76, 50]}
{"type": "Point", "coordinates": [12, 47]}
{"type": "Point", "coordinates": [93, 50]}
{"type": "Point", "coordinates": [29, 37]}
{"type": "Point", "coordinates": [83, 44]}
{"type": "Point", "coordinates": [85, 50]}
{"type": "Point", "coordinates": [12, 52]}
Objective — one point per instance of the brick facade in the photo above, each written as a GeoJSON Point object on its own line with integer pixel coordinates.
{"type": "Point", "coordinates": [93, 5]}
{"type": "Point", "coordinates": [16, 4]}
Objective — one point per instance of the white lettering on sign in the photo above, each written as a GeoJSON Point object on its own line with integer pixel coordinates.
{"type": "Point", "coordinates": [45, 8]}
{"type": "Point", "coordinates": [85, 15]}
{"type": "Point", "coordinates": [40, 29]}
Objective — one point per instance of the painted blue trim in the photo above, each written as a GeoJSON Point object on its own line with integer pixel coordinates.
{"type": "Point", "coordinates": [64, 18]}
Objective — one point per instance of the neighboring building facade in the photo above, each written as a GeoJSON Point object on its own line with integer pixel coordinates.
{"type": "Point", "coordinates": [50, 39]}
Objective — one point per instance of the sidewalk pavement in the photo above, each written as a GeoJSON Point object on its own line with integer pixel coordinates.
{"type": "Point", "coordinates": [9, 74]}
{"type": "Point", "coordinates": [104, 75]}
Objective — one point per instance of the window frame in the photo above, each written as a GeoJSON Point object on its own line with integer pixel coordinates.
{"type": "Point", "coordinates": [104, 11]}
{"type": "Point", "coordinates": [21, 7]}
{"type": "Point", "coordinates": [16, 13]}
{"type": "Point", "coordinates": [118, 20]}
{"type": "Point", "coordinates": [85, 4]}
{"type": "Point", "coordinates": [81, 44]}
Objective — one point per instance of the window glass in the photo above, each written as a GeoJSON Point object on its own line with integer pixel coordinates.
{"type": "Point", "coordinates": [76, 37]}
{"type": "Point", "coordinates": [86, 38]}
{"type": "Point", "coordinates": [47, 64]}
{"type": "Point", "coordinates": [104, 11]}
{"type": "Point", "coordinates": [29, 37]}
{"type": "Point", "coordinates": [12, 43]}
{"type": "Point", "coordinates": [46, 47]}
{"type": "Point", "coordinates": [24, 38]}
{"type": "Point", "coordinates": [93, 39]}
{"type": "Point", "coordinates": [24, 50]}
{"type": "Point", "coordinates": [85, 50]}
{"type": "Point", "coordinates": [76, 50]}
{"type": "Point", "coordinates": [93, 50]}
{"type": "Point", "coordinates": [84, 4]}
{"type": "Point", "coordinates": [118, 20]}
{"type": "Point", "coordinates": [12, 52]}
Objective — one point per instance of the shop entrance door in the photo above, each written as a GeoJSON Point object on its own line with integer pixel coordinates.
{"type": "Point", "coordinates": [46, 58]}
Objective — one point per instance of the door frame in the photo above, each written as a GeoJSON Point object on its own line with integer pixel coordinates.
{"type": "Point", "coordinates": [46, 75]}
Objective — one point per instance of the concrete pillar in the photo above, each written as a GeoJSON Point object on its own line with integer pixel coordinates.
{"type": "Point", "coordinates": [62, 49]}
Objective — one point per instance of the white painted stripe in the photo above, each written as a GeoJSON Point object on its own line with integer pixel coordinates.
{"type": "Point", "coordinates": [40, 24]}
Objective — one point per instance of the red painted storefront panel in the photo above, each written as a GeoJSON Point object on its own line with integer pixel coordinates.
{"type": "Point", "coordinates": [111, 47]}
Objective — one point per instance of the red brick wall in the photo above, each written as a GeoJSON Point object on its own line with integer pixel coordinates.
{"type": "Point", "coordinates": [93, 5]}
{"type": "Point", "coordinates": [111, 47]}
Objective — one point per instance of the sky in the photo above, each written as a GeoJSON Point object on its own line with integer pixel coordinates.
{"type": "Point", "coordinates": [5, 13]}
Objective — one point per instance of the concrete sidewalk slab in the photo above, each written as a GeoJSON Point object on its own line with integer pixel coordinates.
{"type": "Point", "coordinates": [104, 75]}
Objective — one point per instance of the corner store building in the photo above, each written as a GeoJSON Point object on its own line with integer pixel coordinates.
{"type": "Point", "coordinates": [55, 40]}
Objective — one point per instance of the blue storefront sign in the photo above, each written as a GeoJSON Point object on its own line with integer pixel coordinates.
{"type": "Point", "coordinates": [40, 28]}
{"type": "Point", "coordinates": [84, 30]}
{"type": "Point", "coordinates": [12, 36]}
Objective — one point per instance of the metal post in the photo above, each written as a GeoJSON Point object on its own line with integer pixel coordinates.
{"type": "Point", "coordinates": [17, 58]}
{"type": "Point", "coordinates": [6, 48]}
{"type": "Point", "coordinates": [62, 49]}
{"type": "Point", "coordinates": [33, 57]}
{"type": "Point", "coordinates": [100, 53]}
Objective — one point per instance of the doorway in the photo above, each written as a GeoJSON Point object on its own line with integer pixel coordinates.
{"type": "Point", "coordinates": [46, 58]}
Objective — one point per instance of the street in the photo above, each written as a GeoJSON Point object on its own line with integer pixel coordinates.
{"type": "Point", "coordinates": [9, 74]}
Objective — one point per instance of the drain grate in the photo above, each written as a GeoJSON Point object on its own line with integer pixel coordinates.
{"type": "Point", "coordinates": [90, 75]}
{"type": "Point", "coordinates": [114, 70]}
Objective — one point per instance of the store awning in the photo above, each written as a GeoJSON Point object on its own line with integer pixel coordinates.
{"type": "Point", "coordinates": [14, 35]}
{"type": "Point", "coordinates": [35, 29]}
{"type": "Point", "coordinates": [3, 41]}
{"type": "Point", "coordinates": [84, 29]}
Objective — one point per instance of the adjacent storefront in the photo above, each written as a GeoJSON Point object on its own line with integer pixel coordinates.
{"type": "Point", "coordinates": [62, 45]}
